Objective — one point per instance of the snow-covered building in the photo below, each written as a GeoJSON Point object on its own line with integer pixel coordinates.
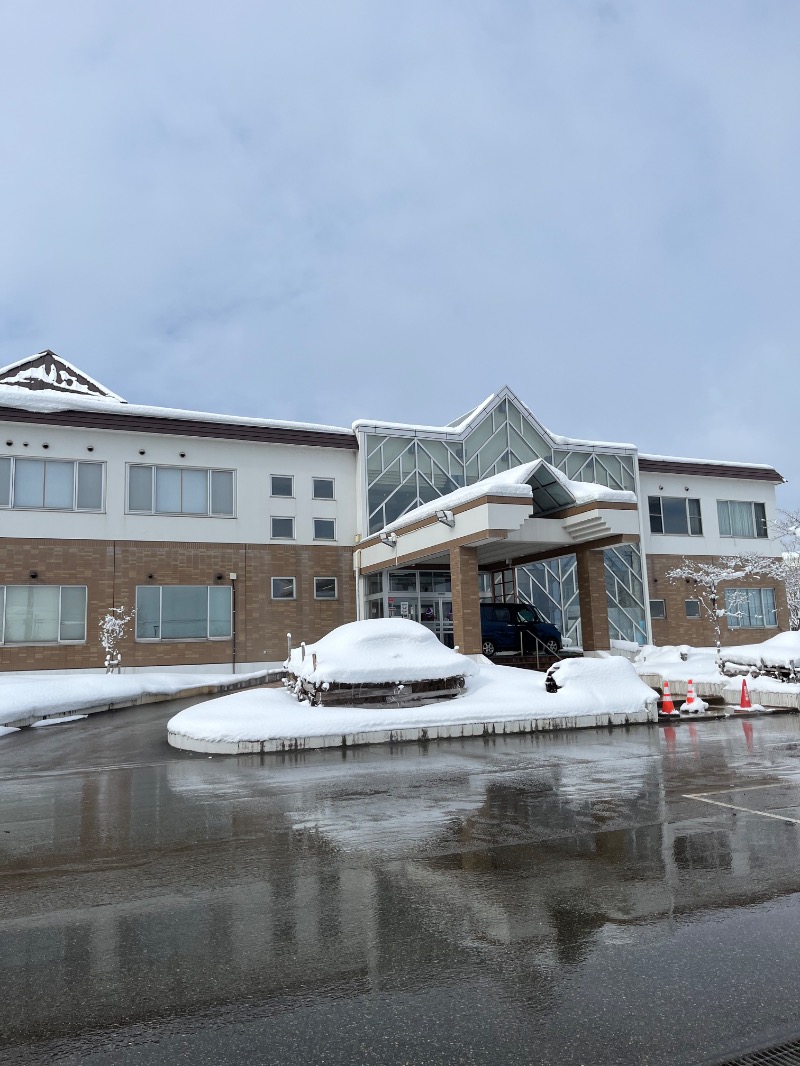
{"type": "Point", "coordinates": [225, 532]}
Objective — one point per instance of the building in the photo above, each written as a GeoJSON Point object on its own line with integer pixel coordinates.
{"type": "Point", "coordinates": [227, 533]}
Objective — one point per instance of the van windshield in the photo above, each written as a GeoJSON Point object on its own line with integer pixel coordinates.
{"type": "Point", "coordinates": [527, 615]}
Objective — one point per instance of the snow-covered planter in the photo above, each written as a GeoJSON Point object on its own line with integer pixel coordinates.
{"type": "Point", "coordinates": [382, 661]}
{"type": "Point", "coordinates": [594, 679]}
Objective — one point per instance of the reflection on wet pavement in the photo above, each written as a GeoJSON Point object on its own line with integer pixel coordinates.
{"type": "Point", "coordinates": [530, 899]}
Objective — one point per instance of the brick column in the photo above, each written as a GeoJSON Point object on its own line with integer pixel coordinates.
{"type": "Point", "coordinates": [466, 599]}
{"type": "Point", "coordinates": [592, 595]}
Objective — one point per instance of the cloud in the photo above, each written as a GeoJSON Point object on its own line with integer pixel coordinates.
{"type": "Point", "coordinates": [329, 211]}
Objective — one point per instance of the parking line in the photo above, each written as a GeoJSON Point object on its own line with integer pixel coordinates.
{"type": "Point", "coordinates": [746, 810]}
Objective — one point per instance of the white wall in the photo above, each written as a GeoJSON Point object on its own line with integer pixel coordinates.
{"type": "Point", "coordinates": [708, 490]}
{"type": "Point", "coordinates": [253, 463]}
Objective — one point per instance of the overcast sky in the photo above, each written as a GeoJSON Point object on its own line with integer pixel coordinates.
{"type": "Point", "coordinates": [338, 209]}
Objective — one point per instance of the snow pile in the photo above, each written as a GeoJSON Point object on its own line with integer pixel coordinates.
{"type": "Point", "coordinates": [782, 651]}
{"type": "Point", "coordinates": [378, 650]}
{"type": "Point", "coordinates": [681, 663]}
{"type": "Point", "coordinates": [513, 482]}
{"type": "Point", "coordinates": [494, 694]}
{"type": "Point", "coordinates": [26, 694]}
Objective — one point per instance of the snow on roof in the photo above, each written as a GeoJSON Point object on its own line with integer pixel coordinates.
{"type": "Point", "coordinates": [705, 462]}
{"type": "Point", "coordinates": [513, 482]}
{"type": "Point", "coordinates": [47, 371]}
{"type": "Point", "coordinates": [379, 650]}
{"type": "Point", "coordinates": [451, 429]}
{"type": "Point", "coordinates": [46, 401]}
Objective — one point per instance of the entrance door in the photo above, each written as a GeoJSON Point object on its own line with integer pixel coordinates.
{"type": "Point", "coordinates": [436, 614]}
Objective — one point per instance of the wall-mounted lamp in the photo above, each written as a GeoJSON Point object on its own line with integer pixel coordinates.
{"type": "Point", "coordinates": [389, 539]}
{"type": "Point", "coordinates": [446, 518]}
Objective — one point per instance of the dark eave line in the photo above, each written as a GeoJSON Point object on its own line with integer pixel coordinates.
{"type": "Point", "coordinates": [745, 473]}
{"type": "Point", "coordinates": [181, 427]}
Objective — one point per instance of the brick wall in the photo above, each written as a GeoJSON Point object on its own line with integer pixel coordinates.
{"type": "Point", "coordinates": [111, 572]}
{"type": "Point", "coordinates": [466, 600]}
{"type": "Point", "coordinates": [678, 629]}
{"type": "Point", "coordinates": [592, 594]}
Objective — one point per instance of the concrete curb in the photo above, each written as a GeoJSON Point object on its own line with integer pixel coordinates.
{"type": "Point", "coordinates": [420, 734]}
{"type": "Point", "coordinates": [139, 701]}
{"type": "Point", "coordinates": [769, 698]}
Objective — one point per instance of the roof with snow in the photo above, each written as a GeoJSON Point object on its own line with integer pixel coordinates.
{"type": "Point", "coordinates": [546, 488]}
{"type": "Point", "coordinates": [47, 372]}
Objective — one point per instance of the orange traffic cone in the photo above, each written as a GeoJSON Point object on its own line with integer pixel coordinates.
{"type": "Point", "coordinates": [667, 708]}
{"type": "Point", "coordinates": [690, 708]}
{"type": "Point", "coordinates": [744, 702]}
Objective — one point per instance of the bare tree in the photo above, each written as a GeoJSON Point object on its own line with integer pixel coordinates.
{"type": "Point", "coordinates": [787, 569]}
{"type": "Point", "coordinates": [707, 578]}
{"type": "Point", "coordinates": [112, 631]}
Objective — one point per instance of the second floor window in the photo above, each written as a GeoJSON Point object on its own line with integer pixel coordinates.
{"type": "Point", "coordinates": [675, 516]}
{"type": "Point", "coordinates": [51, 484]}
{"type": "Point", "coordinates": [180, 490]}
{"type": "Point", "coordinates": [742, 518]}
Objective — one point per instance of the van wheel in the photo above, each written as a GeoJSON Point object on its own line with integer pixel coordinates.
{"type": "Point", "coordinates": [551, 646]}
{"type": "Point", "coordinates": [488, 649]}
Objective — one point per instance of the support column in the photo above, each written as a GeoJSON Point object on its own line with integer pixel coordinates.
{"type": "Point", "coordinates": [592, 595]}
{"type": "Point", "coordinates": [466, 599]}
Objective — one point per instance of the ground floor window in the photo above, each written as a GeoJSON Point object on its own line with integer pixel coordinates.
{"type": "Point", "coordinates": [284, 588]}
{"type": "Point", "coordinates": [658, 609]}
{"type": "Point", "coordinates": [42, 614]}
{"type": "Point", "coordinates": [183, 612]}
{"type": "Point", "coordinates": [324, 588]}
{"type": "Point", "coordinates": [750, 608]}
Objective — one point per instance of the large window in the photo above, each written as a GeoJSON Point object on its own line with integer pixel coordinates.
{"type": "Point", "coordinates": [180, 490]}
{"type": "Point", "coordinates": [750, 608]}
{"type": "Point", "coordinates": [742, 518]}
{"type": "Point", "coordinates": [675, 516]}
{"type": "Point", "coordinates": [51, 484]}
{"type": "Point", "coordinates": [183, 612]}
{"type": "Point", "coordinates": [42, 614]}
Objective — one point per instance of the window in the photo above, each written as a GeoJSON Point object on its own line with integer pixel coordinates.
{"type": "Point", "coordinates": [658, 609]}
{"type": "Point", "coordinates": [675, 516]}
{"type": "Point", "coordinates": [180, 490]}
{"type": "Point", "coordinates": [324, 529]}
{"type": "Point", "coordinates": [282, 485]}
{"type": "Point", "coordinates": [324, 588]}
{"type": "Point", "coordinates": [51, 484]}
{"type": "Point", "coordinates": [282, 528]}
{"type": "Point", "coordinates": [183, 612]}
{"type": "Point", "coordinates": [402, 581]}
{"type": "Point", "coordinates": [692, 608]}
{"type": "Point", "coordinates": [374, 584]}
{"type": "Point", "coordinates": [750, 608]}
{"type": "Point", "coordinates": [740, 518]}
{"type": "Point", "coordinates": [323, 488]}
{"type": "Point", "coordinates": [283, 588]}
{"type": "Point", "coordinates": [42, 614]}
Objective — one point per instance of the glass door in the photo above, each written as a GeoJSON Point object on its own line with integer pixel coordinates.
{"type": "Point", "coordinates": [446, 625]}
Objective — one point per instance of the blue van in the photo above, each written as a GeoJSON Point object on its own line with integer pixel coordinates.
{"type": "Point", "coordinates": [516, 627]}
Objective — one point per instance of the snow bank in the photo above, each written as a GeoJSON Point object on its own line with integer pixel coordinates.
{"type": "Point", "coordinates": [493, 694]}
{"type": "Point", "coordinates": [379, 650]}
{"type": "Point", "coordinates": [23, 695]}
{"type": "Point", "coordinates": [700, 663]}
{"type": "Point", "coordinates": [780, 650]}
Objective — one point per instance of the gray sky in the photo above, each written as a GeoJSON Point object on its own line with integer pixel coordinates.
{"type": "Point", "coordinates": [345, 209]}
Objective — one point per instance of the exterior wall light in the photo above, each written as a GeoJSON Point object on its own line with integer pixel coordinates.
{"type": "Point", "coordinates": [446, 518]}
{"type": "Point", "coordinates": [389, 539]}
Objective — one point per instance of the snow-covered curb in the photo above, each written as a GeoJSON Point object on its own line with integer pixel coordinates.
{"type": "Point", "coordinates": [499, 699]}
{"type": "Point", "coordinates": [30, 697]}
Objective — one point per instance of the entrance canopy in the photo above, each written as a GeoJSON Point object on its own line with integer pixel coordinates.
{"type": "Point", "coordinates": [510, 518]}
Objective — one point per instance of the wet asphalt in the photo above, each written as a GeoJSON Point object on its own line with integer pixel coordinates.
{"type": "Point", "coordinates": [554, 899]}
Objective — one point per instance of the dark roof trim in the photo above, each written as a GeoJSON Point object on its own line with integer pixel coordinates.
{"type": "Point", "coordinates": [745, 473]}
{"type": "Point", "coordinates": [181, 427]}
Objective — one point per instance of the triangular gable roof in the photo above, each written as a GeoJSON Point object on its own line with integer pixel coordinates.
{"type": "Point", "coordinates": [48, 371]}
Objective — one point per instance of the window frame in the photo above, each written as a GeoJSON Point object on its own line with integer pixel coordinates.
{"type": "Point", "coordinates": [279, 599]}
{"type": "Point", "coordinates": [326, 540]}
{"type": "Point", "coordinates": [686, 500]}
{"type": "Point", "coordinates": [43, 643]}
{"type": "Point", "coordinates": [760, 589]}
{"type": "Point", "coordinates": [75, 463]}
{"type": "Point", "coordinates": [183, 640]}
{"type": "Point", "coordinates": [760, 521]}
{"type": "Point", "coordinates": [153, 467]}
{"type": "Point", "coordinates": [653, 615]}
{"type": "Point", "coordinates": [281, 495]}
{"type": "Point", "coordinates": [314, 481]}
{"type": "Point", "coordinates": [335, 595]}
{"type": "Point", "coordinates": [282, 518]}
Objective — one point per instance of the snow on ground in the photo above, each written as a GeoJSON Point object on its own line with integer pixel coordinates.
{"type": "Point", "coordinates": [49, 692]}
{"type": "Point", "coordinates": [493, 694]}
{"type": "Point", "coordinates": [700, 663]}
{"type": "Point", "coordinates": [379, 650]}
{"type": "Point", "coordinates": [780, 650]}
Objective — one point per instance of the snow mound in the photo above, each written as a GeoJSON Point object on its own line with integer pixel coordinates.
{"type": "Point", "coordinates": [779, 651]}
{"type": "Point", "coordinates": [379, 650]}
{"type": "Point", "coordinates": [601, 681]}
